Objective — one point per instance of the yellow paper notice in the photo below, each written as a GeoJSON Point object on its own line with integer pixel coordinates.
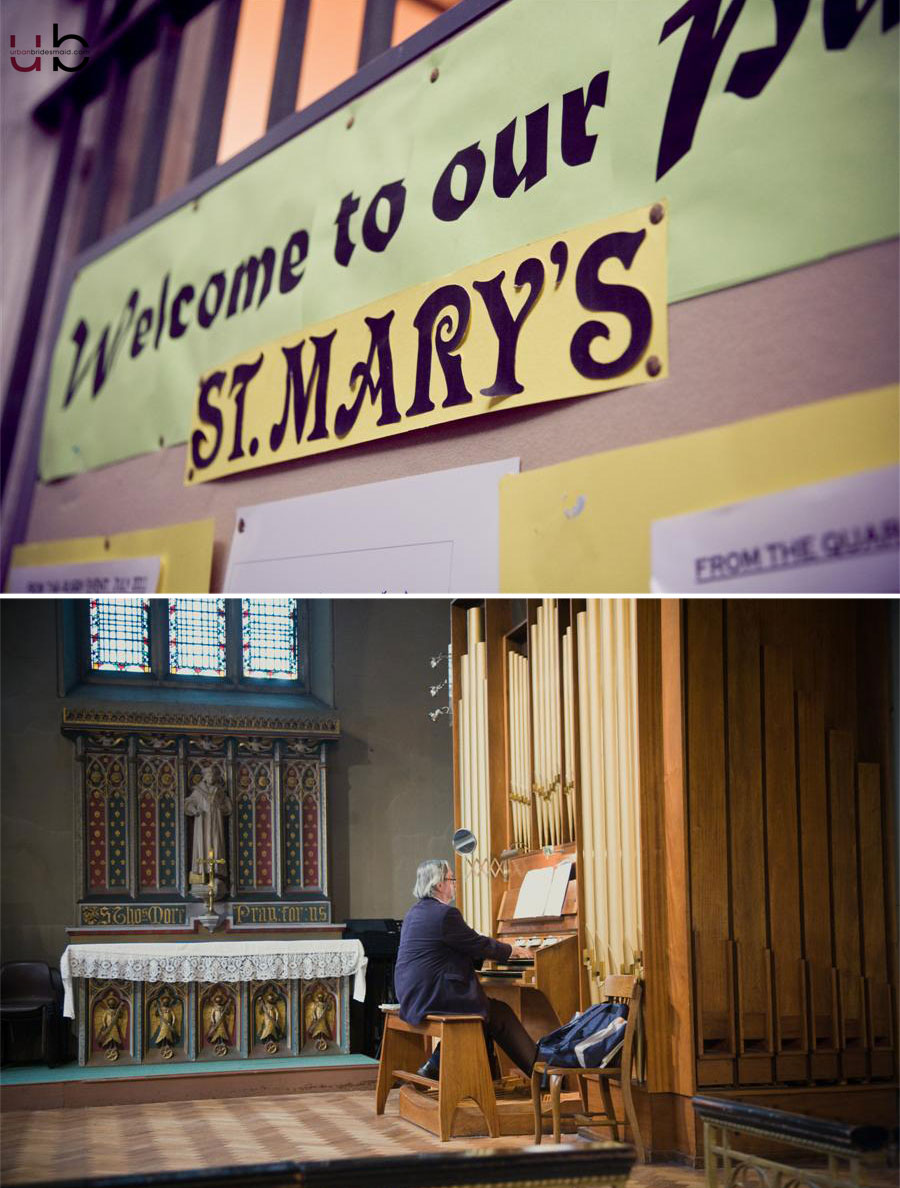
{"type": "Point", "coordinates": [578, 313]}
{"type": "Point", "coordinates": [585, 526]}
{"type": "Point", "coordinates": [185, 552]}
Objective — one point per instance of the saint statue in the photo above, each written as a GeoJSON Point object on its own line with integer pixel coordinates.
{"type": "Point", "coordinates": [270, 1026]}
{"type": "Point", "coordinates": [319, 1017]}
{"type": "Point", "coordinates": [209, 804]}
{"type": "Point", "coordinates": [219, 1031]}
{"type": "Point", "coordinates": [111, 1032]}
{"type": "Point", "coordinates": [167, 1021]}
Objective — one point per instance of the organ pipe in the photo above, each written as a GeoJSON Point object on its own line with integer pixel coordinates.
{"type": "Point", "coordinates": [607, 687]}
{"type": "Point", "coordinates": [474, 787]}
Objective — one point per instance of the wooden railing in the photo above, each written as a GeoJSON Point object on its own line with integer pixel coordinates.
{"type": "Point", "coordinates": [731, 1134]}
{"type": "Point", "coordinates": [597, 1164]}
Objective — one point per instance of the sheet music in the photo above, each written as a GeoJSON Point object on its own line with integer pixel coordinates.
{"type": "Point", "coordinates": [556, 894]}
{"type": "Point", "coordinates": [533, 893]}
{"type": "Point", "coordinates": [543, 891]}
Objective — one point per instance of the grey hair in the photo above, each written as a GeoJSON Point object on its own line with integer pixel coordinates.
{"type": "Point", "coordinates": [429, 873]}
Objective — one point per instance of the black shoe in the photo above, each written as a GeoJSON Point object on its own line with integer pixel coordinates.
{"type": "Point", "coordinates": [431, 1069]}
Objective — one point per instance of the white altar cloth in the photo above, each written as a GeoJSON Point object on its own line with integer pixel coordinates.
{"type": "Point", "coordinates": [215, 961]}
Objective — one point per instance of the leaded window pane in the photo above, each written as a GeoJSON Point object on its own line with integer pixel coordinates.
{"type": "Point", "coordinates": [197, 636]}
{"type": "Point", "coordinates": [120, 634]}
{"type": "Point", "coordinates": [269, 637]}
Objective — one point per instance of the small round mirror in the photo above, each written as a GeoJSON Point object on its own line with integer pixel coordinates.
{"type": "Point", "coordinates": [464, 841]}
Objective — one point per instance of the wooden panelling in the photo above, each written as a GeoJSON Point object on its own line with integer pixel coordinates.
{"type": "Point", "coordinates": [184, 114]}
{"type": "Point", "coordinates": [747, 842]}
{"type": "Point", "coordinates": [706, 770]}
{"type": "Point", "coordinates": [664, 866]}
{"type": "Point", "coordinates": [871, 872]}
{"type": "Point", "coordinates": [876, 744]}
{"type": "Point", "coordinates": [790, 841]}
{"type": "Point", "coordinates": [715, 1013]}
{"type": "Point", "coordinates": [844, 862]}
{"type": "Point", "coordinates": [707, 807]}
{"type": "Point", "coordinates": [783, 849]}
{"type": "Point", "coordinates": [816, 884]}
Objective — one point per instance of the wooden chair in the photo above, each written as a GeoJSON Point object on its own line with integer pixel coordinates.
{"type": "Point", "coordinates": [616, 988]}
{"type": "Point", "coordinates": [464, 1067]}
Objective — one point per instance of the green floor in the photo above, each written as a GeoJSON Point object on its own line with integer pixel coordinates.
{"type": "Point", "coordinates": [34, 1074]}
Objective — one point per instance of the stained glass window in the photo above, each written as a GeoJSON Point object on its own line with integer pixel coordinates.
{"type": "Point", "coordinates": [120, 636]}
{"type": "Point", "coordinates": [269, 637]}
{"type": "Point", "coordinates": [197, 636]}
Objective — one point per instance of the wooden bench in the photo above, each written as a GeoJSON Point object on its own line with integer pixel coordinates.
{"type": "Point", "coordinates": [464, 1068]}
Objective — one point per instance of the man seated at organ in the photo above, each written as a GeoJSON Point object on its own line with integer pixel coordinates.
{"type": "Point", "coordinates": [435, 971]}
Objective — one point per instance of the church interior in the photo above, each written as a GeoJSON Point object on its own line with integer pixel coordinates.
{"type": "Point", "coordinates": [212, 815]}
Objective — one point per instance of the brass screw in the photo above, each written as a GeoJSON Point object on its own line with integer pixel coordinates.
{"type": "Point", "coordinates": [657, 213]}
{"type": "Point", "coordinates": [654, 365]}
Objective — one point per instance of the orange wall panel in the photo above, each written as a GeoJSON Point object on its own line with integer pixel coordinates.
{"type": "Point", "coordinates": [331, 52]}
{"type": "Point", "coordinates": [252, 71]}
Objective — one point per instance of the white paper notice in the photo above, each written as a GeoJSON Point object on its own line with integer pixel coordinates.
{"type": "Point", "coordinates": [132, 575]}
{"type": "Point", "coordinates": [428, 534]}
{"type": "Point", "coordinates": [836, 537]}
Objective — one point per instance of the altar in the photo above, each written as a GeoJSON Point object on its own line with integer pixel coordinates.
{"type": "Point", "coordinates": [143, 1003]}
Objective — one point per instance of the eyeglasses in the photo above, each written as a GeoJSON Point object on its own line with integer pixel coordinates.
{"type": "Point", "coordinates": [450, 879]}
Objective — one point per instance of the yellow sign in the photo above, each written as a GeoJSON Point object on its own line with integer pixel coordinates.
{"type": "Point", "coordinates": [578, 313]}
{"type": "Point", "coordinates": [185, 552]}
{"type": "Point", "coordinates": [584, 526]}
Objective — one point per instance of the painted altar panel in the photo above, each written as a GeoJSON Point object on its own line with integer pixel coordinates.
{"type": "Point", "coordinates": [123, 1022]}
{"type": "Point", "coordinates": [255, 796]}
{"type": "Point", "coordinates": [106, 822]}
{"type": "Point", "coordinates": [303, 820]}
{"type": "Point", "coordinates": [157, 783]}
{"type": "Point", "coordinates": [151, 804]}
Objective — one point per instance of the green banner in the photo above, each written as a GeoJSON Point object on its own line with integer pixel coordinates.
{"type": "Point", "coordinates": [770, 126]}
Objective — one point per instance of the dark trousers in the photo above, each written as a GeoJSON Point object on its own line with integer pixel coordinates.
{"type": "Point", "coordinates": [503, 1026]}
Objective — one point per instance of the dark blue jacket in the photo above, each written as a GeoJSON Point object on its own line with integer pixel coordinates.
{"type": "Point", "coordinates": [435, 972]}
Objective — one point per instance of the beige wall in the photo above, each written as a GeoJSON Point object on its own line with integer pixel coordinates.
{"type": "Point", "coordinates": [391, 782]}
{"type": "Point", "coordinates": [389, 779]}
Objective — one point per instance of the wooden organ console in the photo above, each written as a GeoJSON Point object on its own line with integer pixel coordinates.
{"type": "Point", "coordinates": [543, 991]}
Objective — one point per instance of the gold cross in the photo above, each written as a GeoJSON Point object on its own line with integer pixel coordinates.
{"type": "Point", "coordinates": [210, 863]}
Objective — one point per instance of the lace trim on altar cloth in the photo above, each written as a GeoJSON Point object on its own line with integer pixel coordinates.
{"type": "Point", "coordinates": [140, 964]}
